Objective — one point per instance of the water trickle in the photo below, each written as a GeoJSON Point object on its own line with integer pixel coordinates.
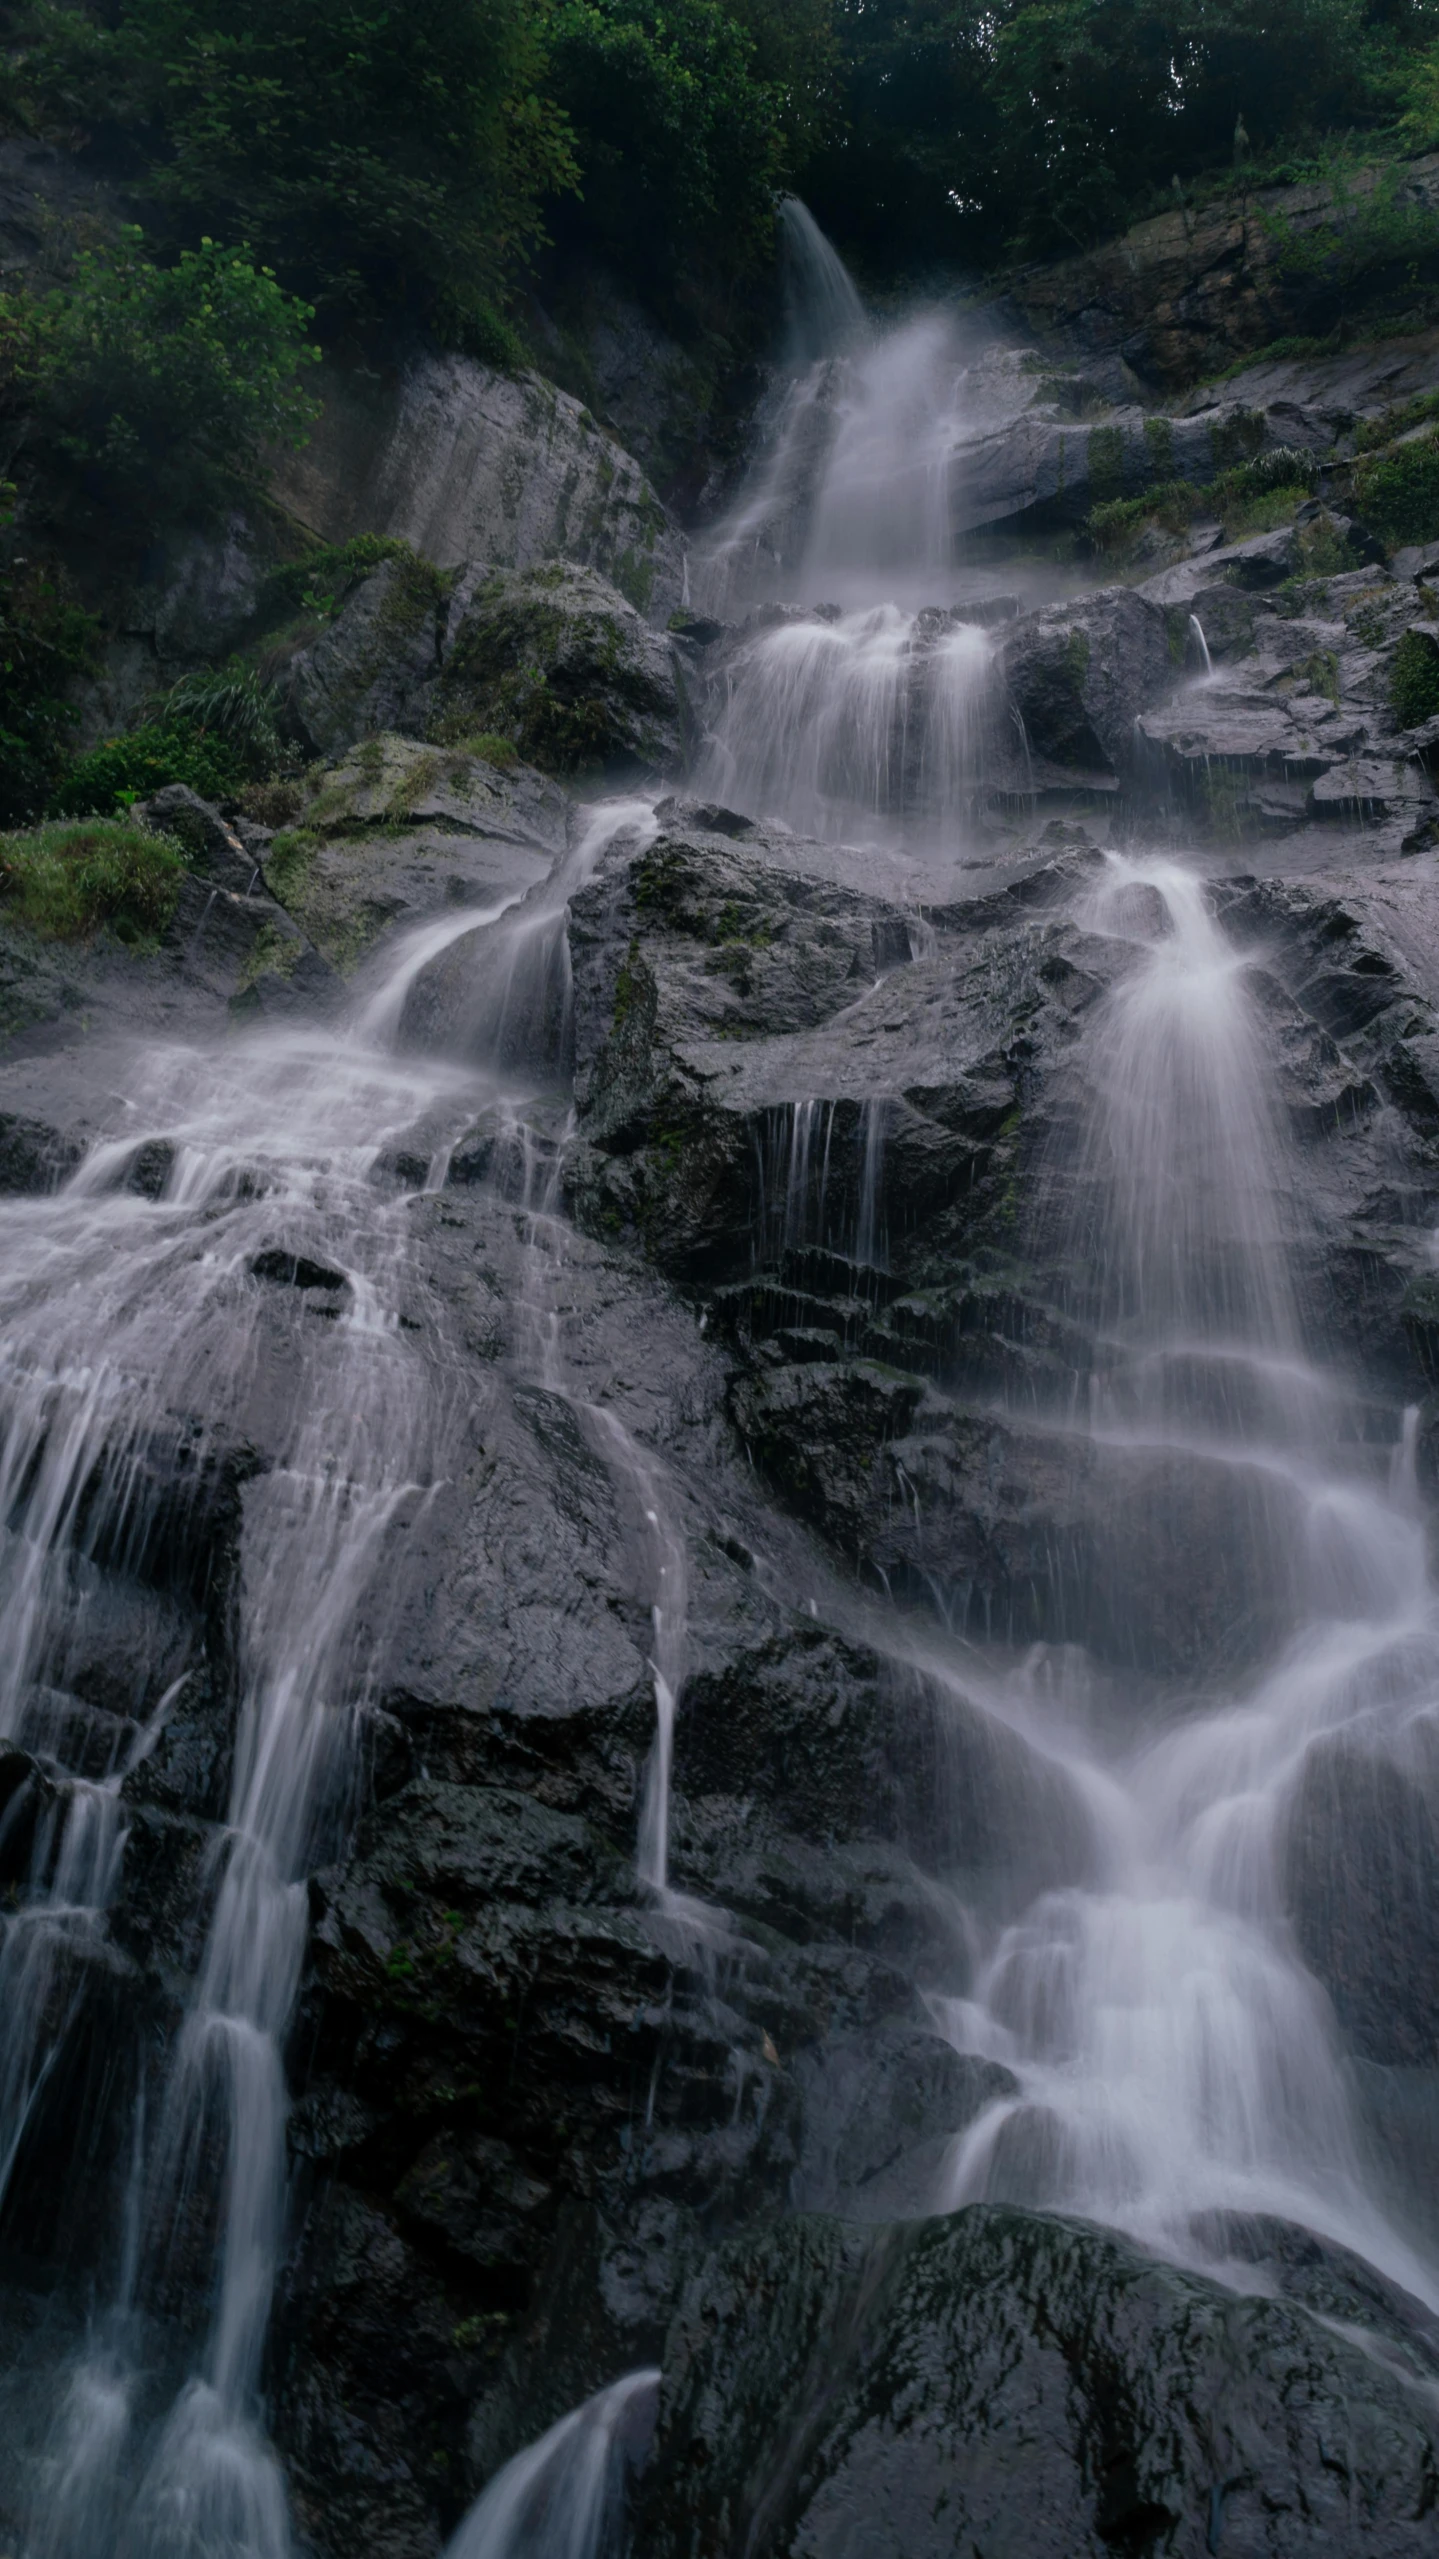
{"type": "Point", "coordinates": [560, 2497]}
{"type": "Point", "coordinates": [1196, 633]}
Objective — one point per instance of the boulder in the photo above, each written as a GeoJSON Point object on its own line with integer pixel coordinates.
{"type": "Point", "coordinates": [1078, 676]}
{"type": "Point", "coordinates": [398, 830]}
{"type": "Point", "coordinates": [1013, 2383]}
{"type": "Point", "coordinates": [558, 661]}
{"type": "Point", "coordinates": [371, 669]}
{"type": "Point", "coordinates": [1361, 1857]}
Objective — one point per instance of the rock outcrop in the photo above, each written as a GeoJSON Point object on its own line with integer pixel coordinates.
{"type": "Point", "coordinates": [551, 665]}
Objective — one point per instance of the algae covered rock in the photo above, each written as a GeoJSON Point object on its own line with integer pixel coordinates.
{"type": "Point", "coordinates": [557, 661]}
{"type": "Point", "coordinates": [1014, 2383]}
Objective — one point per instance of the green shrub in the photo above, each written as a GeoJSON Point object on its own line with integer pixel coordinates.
{"type": "Point", "coordinates": [125, 769]}
{"type": "Point", "coordinates": [1375, 433]}
{"type": "Point", "coordinates": [1284, 467]}
{"type": "Point", "coordinates": [214, 730]}
{"type": "Point", "coordinates": [1116, 526]}
{"type": "Point", "coordinates": [164, 386]}
{"type": "Point", "coordinates": [1414, 680]}
{"type": "Point", "coordinates": [230, 703]}
{"type": "Point", "coordinates": [320, 580]}
{"type": "Point", "coordinates": [68, 881]}
{"type": "Point", "coordinates": [1397, 493]}
{"type": "Point", "coordinates": [46, 641]}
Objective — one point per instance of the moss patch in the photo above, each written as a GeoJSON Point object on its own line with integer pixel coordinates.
{"type": "Point", "coordinates": [1398, 492]}
{"type": "Point", "coordinates": [1414, 680]}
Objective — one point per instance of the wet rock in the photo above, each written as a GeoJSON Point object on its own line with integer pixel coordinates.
{"type": "Point", "coordinates": [1190, 291]}
{"type": "Point", "coordinates": [371, 668]}
{"type": "Point", "coordinates": [398, 831]}
{"type": "Point", "coordinates": [33, 1156]}
{"type": "Point", "coordinates": [1079, 675]}
{"type": "Point", "coordinates": [1020, 2383]}
{"type": "Point", "coordinates": [1361, 1855]}
{"type": "Point", "coordinates": [558, 661]}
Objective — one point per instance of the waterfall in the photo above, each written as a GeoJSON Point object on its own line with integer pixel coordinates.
{"type": "Point", "coordinates": [823, 313]}
{"type": "Point", "coordinates": [864, 705]}
{"type": "Point", "coordinates": [214, 1391]}
{"type": "Point", "coordinates": [1176, 2064]}
{"type": "Point", "coordinates": [557, 2498]}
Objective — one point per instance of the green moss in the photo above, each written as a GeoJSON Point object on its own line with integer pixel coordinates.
{"type": "Point", "coordinates": [1397, 493]}
{"type": "Point", "coordinates": [1159, 448]}
{"type": "Point", "coordinates": [421, 777]}
{"type": "Point", "coordinates": [488, 747]}
{"type": "Point", "coordinates": [1414, 680]}
{"type": "Point", "coordinates": [1106, 463]}
{"type": "Point", "coordinates": [370, 760]}
{"type": "Point", "coordinates": [68, 882]}
{"type": "Point", "coordinates": [271, 954]}
{"type": "Point", "coordinates": [290, 861]}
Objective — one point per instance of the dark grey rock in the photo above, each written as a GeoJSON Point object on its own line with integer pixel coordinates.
{"type": "Point", "coordinates": [1017, 2383]}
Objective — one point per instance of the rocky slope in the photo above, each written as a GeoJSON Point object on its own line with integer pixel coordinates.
{"type": "Point", "coordinates": [544, 2133]}
{"type": "Point", "coordinates": [792, 1297]}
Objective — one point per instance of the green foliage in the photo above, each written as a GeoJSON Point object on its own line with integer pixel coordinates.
{"type": "Point", "coordinates": [1414, 680]}
{"type": "Point", "coordinates": [229, 703]}
{"type": "Point", "coordinates": [125, 769]}
{"type": "Point", "coordinates": [321, 579]}
{"type": "Point", "coordinates": [1040, 125]}
{"type": "Point", "coordinates": [682, 143]}
{"type": "Point", "coordinates": [46, 641]}
{"type": "Point", "coordinates": [1375, 433]}
{"type": "Point", "coordinates": [382, 158]}
{"type": "Point", "coordinates": [164, 385]}
{"type": "Point", "coordinates": [488, 747]}
{"type": "Point", "coordinates": [1116, 526]}
{"type": "Point", "coordinates": [1373, 222]}
{"type": "Point", "coordinates": [1397, 493]}
{"type": "Point", "coordinates": [214, 730]}
{"type": "Point", "coordinates": [68, 881]}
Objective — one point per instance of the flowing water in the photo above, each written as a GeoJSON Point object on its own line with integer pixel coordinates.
{"type": "Point", "coordinates": [1173, 2062]}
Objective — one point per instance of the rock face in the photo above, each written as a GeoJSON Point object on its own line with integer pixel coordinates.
{"type": "Point", "coordinates": [470, 464]}
{"type": "Point", "coordinates": [790, 1447]}
{"type": "Point", "coordinates": [1194, 290]}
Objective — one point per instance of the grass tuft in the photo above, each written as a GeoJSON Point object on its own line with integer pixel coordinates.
{"type": "Point", "coordinates": [68, 882]}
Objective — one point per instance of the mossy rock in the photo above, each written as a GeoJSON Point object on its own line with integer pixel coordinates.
{"type": "Point", "coordinates": [559, 664]}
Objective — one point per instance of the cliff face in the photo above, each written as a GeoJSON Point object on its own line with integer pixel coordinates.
{"type": "Point", "coordinates": [1197, 289]}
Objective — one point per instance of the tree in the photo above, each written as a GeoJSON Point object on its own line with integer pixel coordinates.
{"type": "Point", "coordinates": [380, 157]}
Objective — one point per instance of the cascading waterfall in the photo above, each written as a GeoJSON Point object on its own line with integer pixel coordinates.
{"type": "Point", "coordinates": [1175, 2062]}
{"type": "Point", "coordinates": [117, 1305]}
{"type": "Point", "coordinates": [864, 703]}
